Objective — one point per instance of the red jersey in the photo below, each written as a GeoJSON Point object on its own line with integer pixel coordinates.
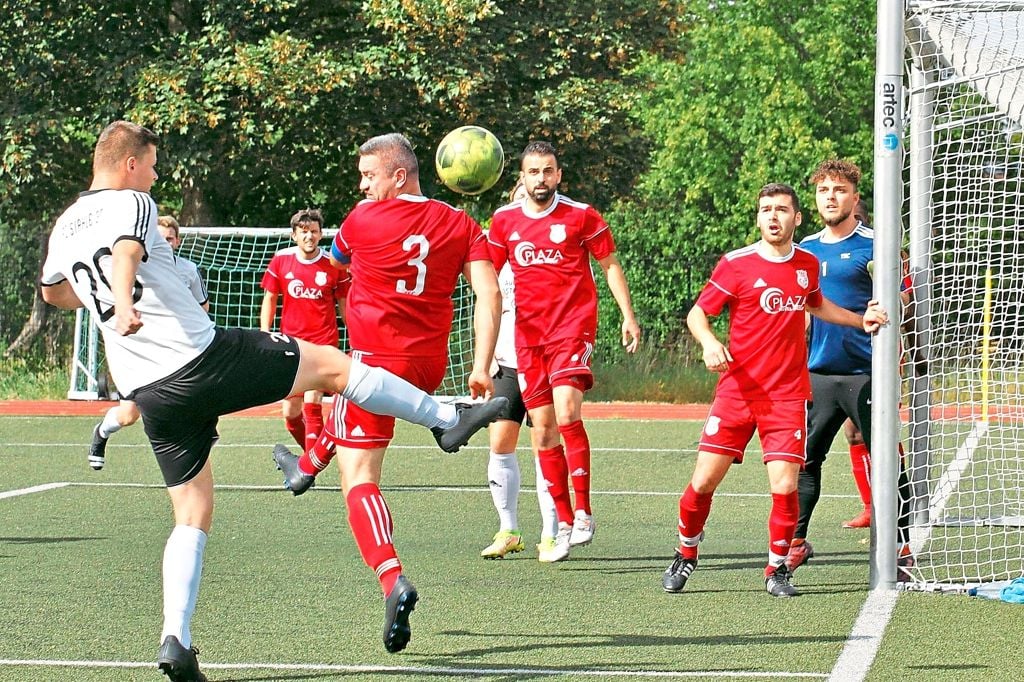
{"type": "Point", "coordinates": [767, 337]}
{"type": "Point", "coordinates": [549, 252]}
{"type": "Point", "coordinates": [310, 289]}
{"type": "Point", "coordinates": [407, 254]}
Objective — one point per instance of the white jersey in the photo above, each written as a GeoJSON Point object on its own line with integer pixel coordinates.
{"type": "Point", "coordinates": [189, 272]}
{"type": "Point", "coordinates": [505, 348]}
{"type": "Point", "coordinates": [175, 329]}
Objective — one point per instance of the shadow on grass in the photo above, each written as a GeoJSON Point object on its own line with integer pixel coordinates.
{"type": "Point", "coordinates": [625, 641]}
{"type": "Point", "coordinates": [49, 541]}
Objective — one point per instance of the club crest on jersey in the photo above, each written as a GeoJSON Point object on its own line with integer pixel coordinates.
{"type": "Point", "coordinates": [527, 254]}
{"type": "Point", "coordinates": [297, 290]}
{"type": "Point", "coordinates": [774, 301]}
{"type": "Point", "coordinates": [321, 278]}
{"type": "Point", "coordinates": [557, 233]}
{"type": "Point", "coordinates": [801, 278]}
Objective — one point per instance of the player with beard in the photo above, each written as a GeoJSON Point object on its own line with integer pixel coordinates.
{"type": "Point", "coordinates": [840, 357]}
{"type": "Point", "coordinates": [503, 476]}
{"type": "Point", "coordinates": [314, 295]}
{"type": "Point", "coordinates": [767, 287]}
{"type": "Point", "coordinates": [549, 239]}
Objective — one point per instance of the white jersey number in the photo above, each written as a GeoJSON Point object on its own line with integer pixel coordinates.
{"type": "Point", "coordinates": [415, 241]}
{"type": "Point", "coordinates": [96, 272]}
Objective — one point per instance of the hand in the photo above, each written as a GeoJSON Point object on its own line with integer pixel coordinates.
{"type": "Point", "coordinates": [874, 317]}
{"type": "Point", "coordinates": [630, 335]}
{"type": "Point", "coordinates": [480, 385]}
{"type": "Point", "coordinates": [127, 322]}
{"type": "Point", "coordinates": [716, 357]}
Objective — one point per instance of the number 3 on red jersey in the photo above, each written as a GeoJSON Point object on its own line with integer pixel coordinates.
{"type": "Point", "coordinates": [419, 243]}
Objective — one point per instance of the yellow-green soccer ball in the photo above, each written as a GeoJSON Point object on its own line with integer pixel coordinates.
{"type": "Point", "coordinates": [469, 160]}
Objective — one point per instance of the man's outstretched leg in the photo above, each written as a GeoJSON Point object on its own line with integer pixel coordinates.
{"type": "Point", "coordinates": [375, 390]}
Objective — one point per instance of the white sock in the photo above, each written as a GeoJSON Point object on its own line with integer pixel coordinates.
{"type": "Point", "coordinates": [381, 392]}
{"type": "Point", "coordinates": [503, 480]}
{"type": "Point", "coordinates": [548, 517]}
{"type": "Point", "coordinates": [109, 425]}
{"type": "Point", "coordinates": [183, 567]}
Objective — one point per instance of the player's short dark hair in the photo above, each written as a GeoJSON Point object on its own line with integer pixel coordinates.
{"type": "Point", "coordinates": [394, 150]}
{"type": "Point", "coordinates": [539, 148]}
{"type": "Point", "coordinates": [837, 168]}
{"type": "Point", "coordinates": [861, 212]}
{"type": "Point", "coordinates": [774, 189]}
{"type": "Point", "coordinates": [170, 222]}
{"type": "Point", "coordinates": [118, 141]}
{"type": "Point", "coordinates": [307, 215]}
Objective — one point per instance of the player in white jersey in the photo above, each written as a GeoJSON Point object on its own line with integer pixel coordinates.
{"type": "Point", "coordinates": [183, 372]}
{"type": "Point", "coordinates": [503, 475]}
{"type": "Point", "coordinates": [126, 412]}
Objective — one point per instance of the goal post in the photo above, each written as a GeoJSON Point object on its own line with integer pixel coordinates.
{"type": "Point", "coordinates": [232, 261]}
{"type": "Point", "coordinates": [963, 180]}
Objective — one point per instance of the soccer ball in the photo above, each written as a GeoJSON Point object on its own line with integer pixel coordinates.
{"type": "Point", "coordinates": [469, 160]}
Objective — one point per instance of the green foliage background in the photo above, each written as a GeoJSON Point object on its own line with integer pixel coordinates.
{"type": "Point", "coordinates": [668, 115]}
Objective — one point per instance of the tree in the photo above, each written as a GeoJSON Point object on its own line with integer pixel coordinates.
{"type": "Point", "coordinates": [261, 105]}
{"type": "Point", "coordinates": [766, 91]}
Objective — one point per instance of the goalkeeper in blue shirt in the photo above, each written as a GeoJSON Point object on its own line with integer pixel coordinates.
{"type": "Point", "coordinates": [839, 358]}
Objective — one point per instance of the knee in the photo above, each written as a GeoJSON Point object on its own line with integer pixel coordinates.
{"type": "Point", "coordinates": [196, 516]}
{"type": "Point", "coordinates": [702, 485]}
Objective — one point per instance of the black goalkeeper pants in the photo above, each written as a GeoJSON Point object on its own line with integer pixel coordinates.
{"type": "Point", "coordinates": [836, 397]}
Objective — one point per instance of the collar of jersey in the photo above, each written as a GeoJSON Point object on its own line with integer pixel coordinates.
{"type": "Point", "coordinates": [546, 211]}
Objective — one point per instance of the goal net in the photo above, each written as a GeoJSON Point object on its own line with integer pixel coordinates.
{"type": "Point", "coordinates": [965, 214]}
{"type": "Point", "coordinates": [232, 262]}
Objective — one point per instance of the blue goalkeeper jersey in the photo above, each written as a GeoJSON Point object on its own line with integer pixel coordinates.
{"type": "Point", "coordinates": [846, 281]}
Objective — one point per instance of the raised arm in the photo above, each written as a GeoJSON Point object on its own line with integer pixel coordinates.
{"type": "Point", "coordinates": [620, 292]}
{"type": "Point", "coordinates": [874, 317]}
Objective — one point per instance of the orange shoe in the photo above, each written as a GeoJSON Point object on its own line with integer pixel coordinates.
{"type": "Point", "coordinates": [861, 521]}
{"type": "Point", "coordinates": [799, 552]}
{"type": "Point", "coordinates": [904, 564]}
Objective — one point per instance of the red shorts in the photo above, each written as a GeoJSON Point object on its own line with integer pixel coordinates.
{"type": "Point", "coordinates": [781, 426]}
{"type": "Point", "coordinates": [357, 428]}
{"type": "Point", "coordinates": [565, 362]}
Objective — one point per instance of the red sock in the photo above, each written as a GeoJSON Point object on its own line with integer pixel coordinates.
{"type": "Point", "coordinates": [297, 427]}
{"type": "Point", "coordinates": [860, 463]}
{"type": "Point", "coordinates": [782, 525]}
{"type": "Point", "coordinates": [577, 453]}
{"type": "Point", "coordinates": [316, 457]}
{"type": "Point", "coordinates": [370, 520]}
{"type": "Point", "coordinates": [694, 509]}
{"type": "Point", "coordinates": [313, 413]}
{"type": "Point", "coordinates": [556, 473]}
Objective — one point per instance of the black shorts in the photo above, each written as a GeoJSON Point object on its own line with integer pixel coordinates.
{"type": "Point", "coordinates": [836, 397]}
{"type": "Point", "coordinates": [506, 383]}
{"type": "Point", "coordinates": [242, 368]}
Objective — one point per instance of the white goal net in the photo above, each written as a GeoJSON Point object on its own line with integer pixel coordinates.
{"type": "Point", "coordinates": [232, 262]}
{"type": "Point", "coordinates": [965, 214]}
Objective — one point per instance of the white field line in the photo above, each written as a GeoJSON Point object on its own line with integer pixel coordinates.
{"type": "Point", "coordinates": [431, 670]}
{"type": "Point", "coordinates": [950, 481]}
{"type": "Point", "coordinates": [268, 446]}
{"type": "Point", "coordinates": [429, 489]}
{"type": "Point", "coordinates": [34, 489]}
{"type": "Point", "coordinates": [861, 646]}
